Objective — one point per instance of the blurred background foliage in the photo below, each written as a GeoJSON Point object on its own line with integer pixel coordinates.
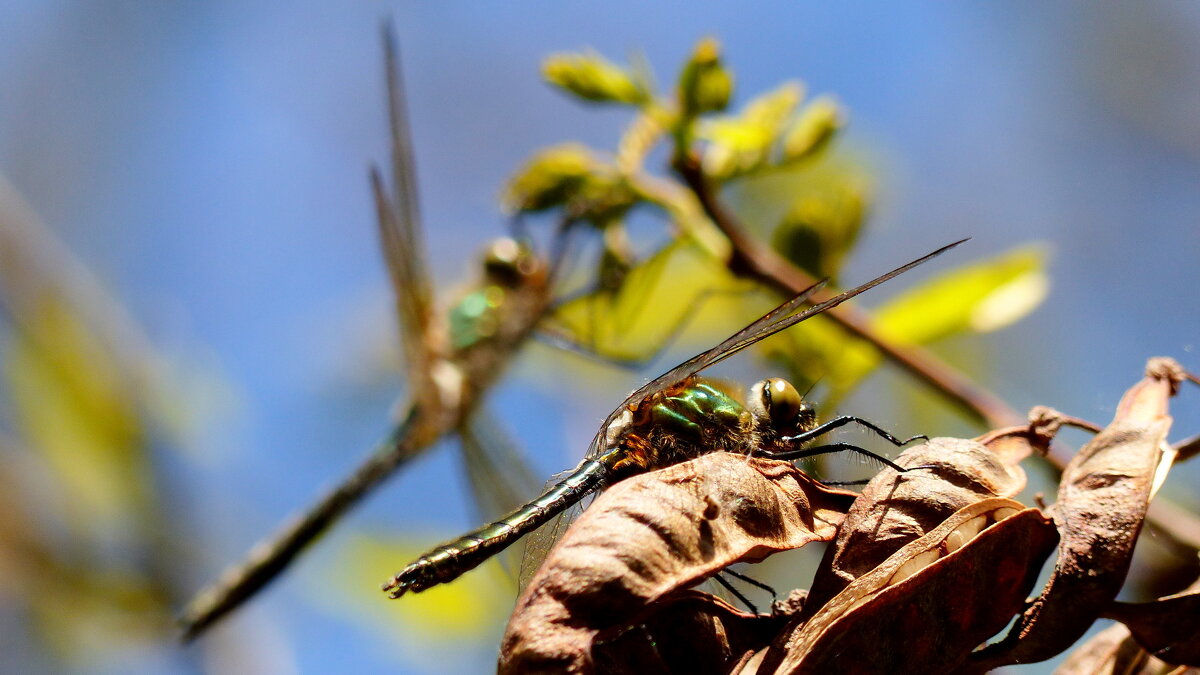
{"type": "Point", "coordinates": [232, 348]}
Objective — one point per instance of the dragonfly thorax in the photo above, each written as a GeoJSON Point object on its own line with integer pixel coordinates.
{"type": "Point", "coordinates": [695, 417]}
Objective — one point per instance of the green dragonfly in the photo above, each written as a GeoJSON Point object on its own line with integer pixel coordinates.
{"type": "Point", "coordinates": [675, 417]}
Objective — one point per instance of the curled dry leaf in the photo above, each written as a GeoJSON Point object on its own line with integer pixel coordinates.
{"type": "Point", "coordinates": [1113, 651]}
{"type": "Point", "coordinates": [929, 604]}
{"type": "Point", "coordinates": [903, 523]}
{"type": "Point", "coordinates": [1167, 628]}
{"type": "Point", "coordinates": [895, 509]}
{"type": "Point", "coordinates": [688, 632]}
{"type": "Point", "coordinates": [1102, 502]}
{"type": "Point", "coordinates": [653, 534]}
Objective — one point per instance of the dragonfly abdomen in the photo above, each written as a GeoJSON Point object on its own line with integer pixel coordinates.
{"type": "Point", "coordinates": [448, 561]}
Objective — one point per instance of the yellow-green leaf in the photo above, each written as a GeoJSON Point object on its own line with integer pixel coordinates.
{"type": "Point", "coordinates": [549, 178]}
{"type": "Point", "coordinates": [824, 221]}
{"type": "Point", "coordinates": [72, 406]}
{"type": "Point", "coordinates": [470, 607]}
{"type": "Point", "coordinates": [704, 84]}
{"type": "Point", "coordinates": [743, 142]}
{"type": "Point", "coordinates": [594, 78]}
{"type": "Point", "coordinates": [657, 298]}
{"type": "Point", "coordinates": [816, 125]}
{"type": "Point", "coordinates": [980, 297]}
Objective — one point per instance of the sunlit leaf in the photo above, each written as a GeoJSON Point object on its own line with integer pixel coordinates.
{"type": "Point", "coordinates": [743, 142]}
{"type": "Point", "coordinates": [471, 607]}
{"type": "Point", "coordinates": [705, 85]}
{"type": "Point", "coordinates": [657, 299]}
{"type": "Point", "coordinates": [980, 297]}
{"type": "Point", "coordinates": [549, 178]}
{"type": "Point", "coordinates": [72, 406]}
{"type": "Point", "coordinates": [823, 222]}
{"type": "Point", "coordinates": [957, 302]}
{"type": "Point", "coordinates": [589, 187]}
{"type": "Point", "coordinates": [764, 200]}
{"type": "Point", "coordinates": [594, 78]}
{"type": "Point", "coordinates": [813, 128]}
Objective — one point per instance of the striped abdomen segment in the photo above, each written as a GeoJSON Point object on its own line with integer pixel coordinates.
{"type": "Point", "coordinates": [448, 561]}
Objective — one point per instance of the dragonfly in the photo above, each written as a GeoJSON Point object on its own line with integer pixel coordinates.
{"type": "Point", "coordinates": [453, 360]}
{"type": "Point", "coordinates": [675, 417]}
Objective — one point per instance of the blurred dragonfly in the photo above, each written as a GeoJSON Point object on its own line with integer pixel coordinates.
{"type": "Point", "coordinates": [673, 418]}
{"type": "Point", "coordinates": [452, 360]}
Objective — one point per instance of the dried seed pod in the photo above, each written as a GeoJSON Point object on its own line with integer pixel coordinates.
{"type": "Point", "coordinates": [1167, 628]}
{"type": "Point", "coordinates": [895, 509]}
{"type": "Point", "coordinates": [653, 534]}
{"type": "Point", "coordinates": [1102, 501]}
{"type": "Point", "coordinates": [1112, 651]}
{"type": "Point", "coordinates": [688, 632]}
{"type": "Point", "coordinates": [930, 603]}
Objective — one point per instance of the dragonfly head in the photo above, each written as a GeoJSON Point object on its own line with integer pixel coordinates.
{"type": "Point", "coordinates": [778, 407]}
{"type": "Point", "coordinates": [508, 261]}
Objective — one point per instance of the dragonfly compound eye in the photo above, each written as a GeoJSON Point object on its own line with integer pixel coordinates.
{"type": "Point", "coordinates": [506, 261]}
{"type": "Point", "coordinates": [780, 403]}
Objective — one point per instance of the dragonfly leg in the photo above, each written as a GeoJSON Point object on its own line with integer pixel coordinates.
{"type": "Point", "coordinates": [753, 582]}
{"type": "Point", "coordinates": [801, 453]}
{"type": "Point", "coordinates": [729, 587]}
{"type": "Point", "coordinates": [845, 483]}
{"type": "Point", "coordinates": [847, 419]}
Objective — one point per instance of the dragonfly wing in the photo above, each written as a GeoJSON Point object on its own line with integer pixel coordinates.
{"type": "Point", "coordinates": [700, 362]}
{"type": "Point", "coordinates": [400, 235]}
{"type": "Point", "coordinates": [746, 338]}
{"type": "Point", "coordinates": [541, 541]}
{"type": "Point", "coordinates": [772, 322]}
{"type": "Point", "coordinates": [497, 472]}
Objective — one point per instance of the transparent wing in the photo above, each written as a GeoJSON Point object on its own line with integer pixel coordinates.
{"type": "Point", "coordinates": [541, 541]}
{"type": "Point", "coordinates": [400, 234]}
{"type": "Point", "coordinates": [765, 326]}
{"type": "Point", "coordinates": [497, 472]}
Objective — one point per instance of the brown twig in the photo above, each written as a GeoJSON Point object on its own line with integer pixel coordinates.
{"type": "Point", "coordinates": [752, 258]}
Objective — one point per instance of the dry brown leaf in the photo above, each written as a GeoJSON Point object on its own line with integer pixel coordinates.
{"type": "Point", "coordinates": [1112, 651]}
{"type": "Point", "coordinates": [1168, 628]}
{"type": "Point", "coordinates": [689, 632]}
{"type": "Point", "coordinates": [928, 605]}
{"type": "Point", "coordinates": [895, 509]}
{"type": "Point", "coordinates": [1102, 502]}
{"type": "Point", "coordinates": [653, 534]}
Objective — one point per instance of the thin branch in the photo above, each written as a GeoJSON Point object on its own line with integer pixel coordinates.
{"type": "Point", "coordinates": [270, 557]}
{"type": "Point", "coordinates": [754, 259]}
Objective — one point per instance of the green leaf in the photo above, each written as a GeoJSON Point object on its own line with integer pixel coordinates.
{"type": "Point", "coordinates": [704, 84]}
{"type": "Point", "coordinates": [591, 77]}
{"type": "Point", "coordinates": [977, 298]}
{"type": "Point", "coordinates": [743, 142]}
{"type": "Point", "coordinates": [812, 130]}
{"type": "Point", "coordinates": [655, 299]}
{"type": "Point", "coordinates": [549, 178]}
{"type": "Point", "coordinates": [80, 413]}
{"type": "Point", "coordinates": [469, 608]}
{"type": "Point", "coordinates": [981, 297]}
{"type": "Point", "coordinates": [571, 176]}
{"type": "Point", "coordinates": [824, 220]}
